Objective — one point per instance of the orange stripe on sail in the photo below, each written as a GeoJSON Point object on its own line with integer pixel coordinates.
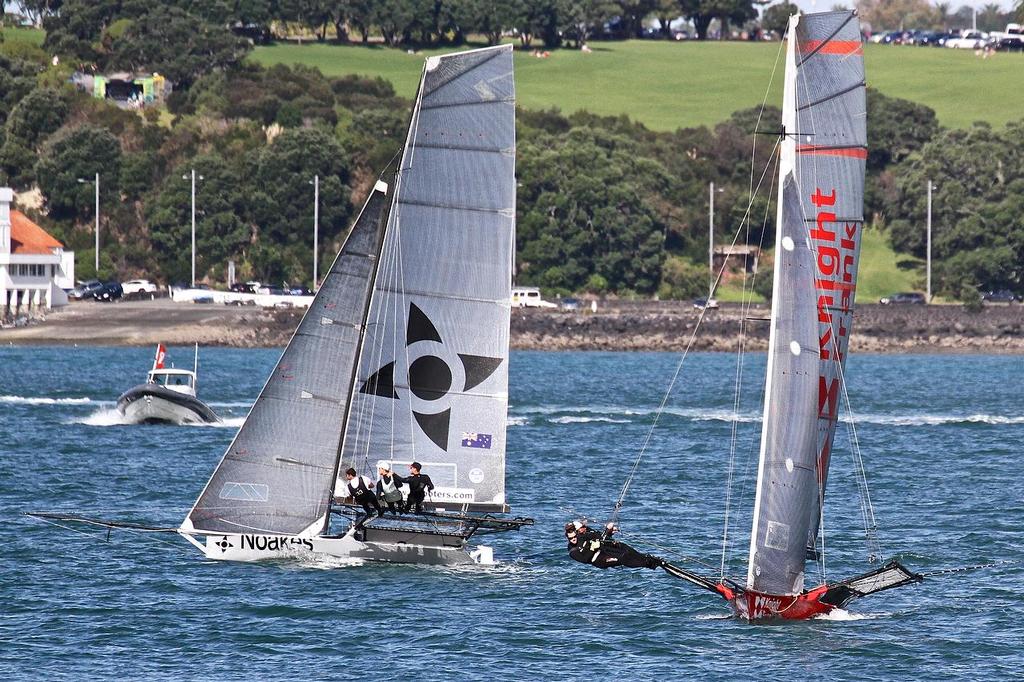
{"type": "Point", "coordinates": [853, 152]}
{"type": "Point", "coordinates": [832, 285]}
{"type": "Point", "coordinates": [843, 47]}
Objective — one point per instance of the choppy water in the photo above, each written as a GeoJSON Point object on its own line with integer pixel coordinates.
{"type": "Point", "coordinates": [941, 435]}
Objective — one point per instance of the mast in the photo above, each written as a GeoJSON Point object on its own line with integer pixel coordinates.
{"type": "Point", "coordinates": [819, 219]}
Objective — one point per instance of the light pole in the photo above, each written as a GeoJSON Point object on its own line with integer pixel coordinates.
{"type": "Point", "coordinates": [928, 248]}
{"type": "Point", "coordinates": [193, 177]}
{"type": "Point", "coordinates": [97, 183]}
{"type": "Point", "coordinates": [316, 225]}
{"type": "Point", "coordinates": [711, 236]}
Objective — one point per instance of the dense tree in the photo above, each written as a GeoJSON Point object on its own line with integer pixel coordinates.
{"type": "Point", "coordinates": [896, 14]}
{"type": "Point", "coordinates": [702, 12]}
{"type": "Point", "coordinates": [79, 153]}
{"type": "Point", "coordinates": [579, 19]}
{"type": "Point", "coordinates": [487, 17]}
{"type": "Point", "coordinates": [977, 208]}
{"type": "Point", "coordinates": [776, 17]}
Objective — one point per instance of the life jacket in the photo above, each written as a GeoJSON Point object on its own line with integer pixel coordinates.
{"type": "Point", "coordinates": [360, 486]}
{"type": "Point", "coordinates": [390, 491]}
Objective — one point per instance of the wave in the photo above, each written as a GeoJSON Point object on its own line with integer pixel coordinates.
{"type": "Point", "coordinates": [112, 417]}
{"type": "Point", "coordinates": [587, 420]}
{"type": "Point", "coordinates": [578, 414]}
{"type": "Point", "coordinates": [22, 400]}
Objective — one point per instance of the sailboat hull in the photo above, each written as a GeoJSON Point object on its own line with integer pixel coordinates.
{"type": "Point", "coordinates": [759, 607]}
{"type": "Point", "coordinates": [394, 547]}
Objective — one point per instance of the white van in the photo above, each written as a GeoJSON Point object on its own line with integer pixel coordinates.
{"type": "Point", "coordinates": [529, 297]}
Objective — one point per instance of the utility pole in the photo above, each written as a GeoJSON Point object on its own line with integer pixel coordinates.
{"type": "Point", "coordinates": [96, 182]}
{"type": "Point", "coordinates": [928, 259]}
{"type": "Point", "coordinates": [316, 228]}
{"type": "Point", "coordinates": [193, 177]}
{"type": "Point", "coordinates": [711, 238]}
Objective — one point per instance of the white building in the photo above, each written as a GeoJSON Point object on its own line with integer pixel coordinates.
{"type": "Point", "coordinates": [34, 267]}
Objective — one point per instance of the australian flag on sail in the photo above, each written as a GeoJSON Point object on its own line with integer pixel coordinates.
{"type": "Point", "coordinates": [476, 440]}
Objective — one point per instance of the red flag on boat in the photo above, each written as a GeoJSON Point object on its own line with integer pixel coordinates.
{"type": "Point", "coordinates": [158, 361]}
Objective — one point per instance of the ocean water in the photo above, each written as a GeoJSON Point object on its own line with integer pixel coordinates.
{"type": "Point", "coordinates": [941, 438]}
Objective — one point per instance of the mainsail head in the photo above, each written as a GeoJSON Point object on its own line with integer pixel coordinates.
{"type": "Point", "coordinates": [277, 475]}
{"type": "Point", "coordinates": [433, 378]}
{"type": "Point", "coordinates": [819, 223]}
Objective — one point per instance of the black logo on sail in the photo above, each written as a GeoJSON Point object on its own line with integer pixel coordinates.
{"type": "Point", "coordinates": [430, 377]}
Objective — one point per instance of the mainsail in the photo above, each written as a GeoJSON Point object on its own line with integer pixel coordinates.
{"type": "Point", "coordinates": [277, 475]}
{"type": "Point", "coordinates": [819, 222]}
{"type": "Point", "coordinates": [433, 376]}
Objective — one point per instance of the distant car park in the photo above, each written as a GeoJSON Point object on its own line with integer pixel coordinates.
{"type": "Point", "coordinates": [1000, 296]}
{"type": "Point", "coordinates": [903, 298]}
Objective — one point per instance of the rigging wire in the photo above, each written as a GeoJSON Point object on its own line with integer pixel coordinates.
{"type": "Point", "coordinates": [679, 366]}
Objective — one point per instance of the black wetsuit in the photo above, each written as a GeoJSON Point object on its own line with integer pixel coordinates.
{"type": "Point", "coordinates": [418, 484]}
{"type": "Point", "coordinates": [365, 497]}
{"type": "Point", "coordinates": [601, 551]}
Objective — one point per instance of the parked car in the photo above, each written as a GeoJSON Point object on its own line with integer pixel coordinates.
{"type": "Point", "coordinates": [906, 297]}
{"type": "Point", "coordinates": [202, 299]}
{"type": "Point", "coordinates": [1001, 296]}
{"type": "Point", "coordinates": [300, 291]}
{"type": "Point", "coordinates": [139, 288]}
{"type": "Point", "coordinates": [529, 297]}
{"type": "Point", "coordinates": [569, 304]}
{"type": "Point", "coordinates": [240, 288]}
{"type": "Point", "coordinates": [971, 40]}
{"type": "Point", "coordinates": [1014, 44]}
{"type": "Point", "coordinates": [240, 301]}
{"type": "Point", "coordinates": [705, 304]}
{"type": "Point", "coordinates": [85, 289]}
{"type": "Point", "coordinates": [110, 291]}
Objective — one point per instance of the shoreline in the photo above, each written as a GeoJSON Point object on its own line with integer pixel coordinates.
{"type": "Point", "coordinates": [617, 326]}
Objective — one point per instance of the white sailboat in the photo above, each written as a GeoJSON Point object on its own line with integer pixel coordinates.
{"type": "Point", "coordinates": [402, 356]}
{"type": "Point", "coordinates": [818, 232]}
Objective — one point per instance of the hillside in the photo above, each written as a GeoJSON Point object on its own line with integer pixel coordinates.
{"type": "Point", "coordinates": [669, 85]}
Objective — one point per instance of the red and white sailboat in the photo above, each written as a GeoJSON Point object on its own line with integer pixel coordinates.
{"type": "Point", "coordinates": [822, 156]}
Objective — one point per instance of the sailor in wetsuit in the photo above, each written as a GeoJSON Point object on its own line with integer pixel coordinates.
{"type": "Point", "coordinates": [389, 487]}
{"type": "Point", "coordinates": [598, 549]}
{"type": "Point", "coordinates": [418, 484]}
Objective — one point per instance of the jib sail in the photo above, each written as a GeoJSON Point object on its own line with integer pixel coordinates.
{"type": "Point", "coordinates": [277, 475]}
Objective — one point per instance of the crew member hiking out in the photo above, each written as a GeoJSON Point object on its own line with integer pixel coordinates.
{"type": "Point", "coordinates": [389, 488]}
{"type": "Point", "coordinates": [418, 484]}
{"type": "Point", "coordinates": [599, 549]}
{"type": "Point", "coordinates": [360, 488]}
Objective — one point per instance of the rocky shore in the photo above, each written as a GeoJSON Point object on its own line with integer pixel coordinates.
{"type": "Point", "coordinates": [620, 325]}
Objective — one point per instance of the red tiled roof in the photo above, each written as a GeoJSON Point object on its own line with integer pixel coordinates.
{"type": "Point", "coordinates": [27, 237]}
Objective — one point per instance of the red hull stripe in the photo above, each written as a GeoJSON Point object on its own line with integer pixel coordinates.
{"type": "Point", "coordinates": [852, 152]}
{"type": "Point", "coordinates": [843, 47]}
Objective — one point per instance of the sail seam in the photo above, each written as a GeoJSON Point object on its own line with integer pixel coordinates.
{"type": "Point", "coordinates": [834, 95]}
{"type": "Point", "coordinates": [497, 100]}
{"type": "Point", "coordinates": [452, 207]}
{"type": "Point", "coordinates": [462, 148]}
{"type": "Point", "coordinates": [433, 294]}
{"type": "Point", "coordinates": [826, 41]}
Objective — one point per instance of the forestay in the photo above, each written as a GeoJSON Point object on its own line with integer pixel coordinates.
{"type": "Point", "coordinates": [433, 378]}
{"type": "Point", "coordinates": [277, 475]}
{"type": "Point", "coordinates": [818, 235]}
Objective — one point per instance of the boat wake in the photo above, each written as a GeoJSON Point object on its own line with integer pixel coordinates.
{"type": "Point", "coordinates": [22, 400]}
{"type": "Point", "coordinates": [109, 416]}
{"type": "Point", "coordinates": [842, 616]}
{"type": "Point", "coordinates": [570, 414]}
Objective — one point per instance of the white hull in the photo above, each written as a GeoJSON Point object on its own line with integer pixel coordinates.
{"type": "Point", "coordinates": [391, 547]}
{"type": "Point", "coordinates": [153, 409]}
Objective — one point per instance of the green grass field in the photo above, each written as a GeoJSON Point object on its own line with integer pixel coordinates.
{"type": "Point", "coordinates": [669, 85]}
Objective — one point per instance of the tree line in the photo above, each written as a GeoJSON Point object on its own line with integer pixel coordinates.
{"type": "Point", "coordinates": [605, 205]}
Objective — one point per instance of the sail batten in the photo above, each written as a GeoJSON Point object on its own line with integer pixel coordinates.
{"type": "Point", "coordinates": [821, 179]}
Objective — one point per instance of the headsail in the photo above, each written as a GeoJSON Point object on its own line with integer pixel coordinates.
{"type": "Point", "coordinates": [433, 377]}
{"type": "Point", "coordinates": [278, 474]}
{"type": "Point", "coordinates": [820, 216]}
